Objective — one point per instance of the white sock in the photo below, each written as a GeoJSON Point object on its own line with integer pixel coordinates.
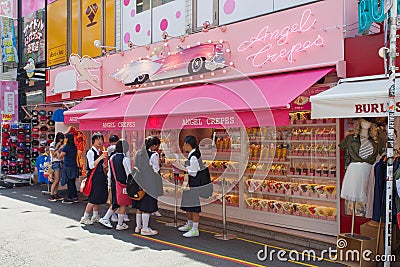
{"type": "Point", "coordinates": [120, 219]}
{"type": "Point", "coordinates": [195, 226]}
{"type": "Point", "coordinates": [145, 219]}
{"type": "Point", "coordinates": [126, 216]}
{"type": "Point", "coordinates": [86, 215]}
{"type": "Point", "coordinates": [189, 222]}
{"type": "Point", "coordinates": [139, 220]}
{"type": "Point", "coordinates": [95, 213]}
{"type": "Point", "coordinates": [108, 214]}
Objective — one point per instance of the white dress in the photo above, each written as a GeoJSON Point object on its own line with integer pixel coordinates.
{"type": "Point", "coordinates": [354, 187]}
{"type": "Point", "coordinates": [355, 181]}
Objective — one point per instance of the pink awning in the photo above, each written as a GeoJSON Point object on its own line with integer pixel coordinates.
{"type": "Point", "coordinates": [246, 102]}
{"type": "Point", "coordinates": [88, 105]}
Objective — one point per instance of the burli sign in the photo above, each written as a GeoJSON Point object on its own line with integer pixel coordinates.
{"type": "Point", "coordinates": [370, 11]}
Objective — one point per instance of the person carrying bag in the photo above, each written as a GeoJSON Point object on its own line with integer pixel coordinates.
{"type": "Point", "coordinates": [119, 171]}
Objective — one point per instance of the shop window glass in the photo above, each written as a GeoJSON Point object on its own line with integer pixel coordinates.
{"type": "Point", "coordinates": [157, 3]}
{"type": "Point", "coordinates": [142, 5]}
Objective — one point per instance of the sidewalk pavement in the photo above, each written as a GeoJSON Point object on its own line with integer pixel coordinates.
{"type": "Point", "coordinates": [241, 251]}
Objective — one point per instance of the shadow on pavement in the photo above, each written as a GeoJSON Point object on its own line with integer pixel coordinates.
{"type": "Point", "coordinates": [204, 249]}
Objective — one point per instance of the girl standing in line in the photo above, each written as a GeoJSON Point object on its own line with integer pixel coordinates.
{"type": "Point", "coordinates": [99, 193]}
{"type": "Point", "coordinates": [122, 169]}
{"type": "Point", "coordinates": [147, 161]}
{"type": "Point", "coordinates": [190, 198]}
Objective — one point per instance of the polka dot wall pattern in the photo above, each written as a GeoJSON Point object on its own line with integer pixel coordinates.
{"type": "Point", "coordinates": [229, 6]}
{"type": "Point", "coordinates": [163, 24]}
{"type": "Point", "coordinates": [127, 37]}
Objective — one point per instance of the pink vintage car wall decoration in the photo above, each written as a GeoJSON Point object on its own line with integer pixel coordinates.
{"type": "Point", "coordinates": [162, 64]}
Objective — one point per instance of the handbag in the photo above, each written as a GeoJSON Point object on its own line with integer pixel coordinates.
{"type": "Point", "coordinates": [122, 196]}
{"type": "Point", "coordinates": [133, 189]}
{"type": "Point", "coordinates": [86, 184]}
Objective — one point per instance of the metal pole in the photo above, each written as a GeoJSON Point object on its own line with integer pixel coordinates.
{"type": "Point", "coordinates": [390, 133]}
{"type": "Point", "coordinates": [175, 223]}
{"type": "Point", "coordinates": [224, 235]}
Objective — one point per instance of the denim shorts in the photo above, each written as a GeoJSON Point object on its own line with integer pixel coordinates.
{"type": "Point", "coordinates": [56, 165]}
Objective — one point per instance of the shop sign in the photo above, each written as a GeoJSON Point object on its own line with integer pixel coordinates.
{"type": "Point", "coordinates": [302, 102]}
{"type": "Point", "coordinates": [83, 66]}
{"type": "Point", "coordinates": [31, 7]}
{"type": "Point", "coordinates": [6, 117]}
{"type": "Point", "coordinates": [119, 125]}
{"type": "Point", "coordinates": [273, 44]}
{"type": "Point", "coordinates": [7, 8]}
{"type": "Point", "coordinates": [34, 39]}
{"type": "Point", "coordinates": [208, 121]}
{"type": "Point", "coordinates": [9, 100]}
{"type": "Point", "coordinates": [370, 11]}
{"type": "Point", "coordinates": [373, 108]}
{"type": "Point", "coordinates": [9, 42]}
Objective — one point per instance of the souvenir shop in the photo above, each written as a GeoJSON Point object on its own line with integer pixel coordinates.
{"type": "Point", "coordinates": [25, 140]}
{"type": "Point", "coordinates": [356, 101]}
{"type": "Point", "coordinates": [280, 166]}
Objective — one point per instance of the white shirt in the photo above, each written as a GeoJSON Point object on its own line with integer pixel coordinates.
{"type": "Point", "coordinates": [53, 148]}
{"type": "Point", "coordinates": [194, 166]}
{"type": "Point", "coordinates": [127, 166]}
{"type": "Point", "coordinates": [155, 162]}
{"type": "Point", "coordinates": [90, 157]}
{"type": "Point", "coordinates": [110, 149]}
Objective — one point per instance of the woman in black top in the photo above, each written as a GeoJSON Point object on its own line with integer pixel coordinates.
{"type": "Point", "coordinates": [69, 171]}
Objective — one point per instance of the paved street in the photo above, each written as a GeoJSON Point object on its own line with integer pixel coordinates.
{"type": "Point", "coordinates": [36, 232]}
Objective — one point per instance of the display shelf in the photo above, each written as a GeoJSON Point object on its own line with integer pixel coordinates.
{"type": "Point", "coordinates": [259, 139]}
{"type": "Point", "coordinates": [266, 176]}
{"type": "Point", "coordinates": [312, 125]}
{"type": "Point", "coordinates": [310, 177]}
{"type": "Point", "coordinates": [311, 141]}
{"type": "Point", "coordinates": [268, 162]}
{"type": "Point", "coordinates": [308, 157]}
{"type": "Point", "coordinates": [291, 196]}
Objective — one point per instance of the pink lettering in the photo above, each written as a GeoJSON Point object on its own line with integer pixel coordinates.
{"type": "Point", "coordinates": [268, 41]}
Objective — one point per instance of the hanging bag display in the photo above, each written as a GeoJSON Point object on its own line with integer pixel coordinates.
{"type": "Point", "coordinates": [122, 196]}
{"type": "Point", "coordinates": [86, 184]}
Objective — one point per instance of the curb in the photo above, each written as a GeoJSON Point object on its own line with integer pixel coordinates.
{"type": "Point", "coordinates": [259, 234]}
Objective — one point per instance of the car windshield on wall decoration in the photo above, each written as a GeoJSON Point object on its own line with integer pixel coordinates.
{"type": "Point", "coordinates": [162, 64]}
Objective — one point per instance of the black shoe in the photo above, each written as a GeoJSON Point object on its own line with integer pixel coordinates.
{"type": "Point", "coordinates": [75, 200]}
{"type": "Point", "coordinates": [67, 201]}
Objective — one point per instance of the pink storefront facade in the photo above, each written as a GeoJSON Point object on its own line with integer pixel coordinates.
{"type": "Point", "coordinates": [247, 78]}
